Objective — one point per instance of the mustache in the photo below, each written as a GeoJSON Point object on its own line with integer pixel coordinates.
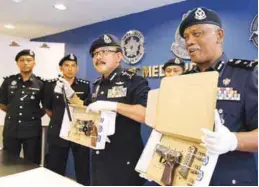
{"type": "Point", "coordinates": [99, 62]}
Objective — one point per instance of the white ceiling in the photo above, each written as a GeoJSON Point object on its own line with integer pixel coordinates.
{"type": "Point", "coordinates": [35, 18]}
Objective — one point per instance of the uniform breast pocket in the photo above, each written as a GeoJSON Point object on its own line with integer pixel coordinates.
{"type": "Point", "coordinates": [230, 114]}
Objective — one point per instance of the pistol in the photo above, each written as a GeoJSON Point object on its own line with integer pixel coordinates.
{"type": "Point", "coordinates": [172, 159]}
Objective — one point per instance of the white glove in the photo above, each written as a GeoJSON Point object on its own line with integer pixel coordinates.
{"type": "Point", "coordinates": [63, 83]}
{"type": "Point", "coordinates": [102, 106]}
{"type": "Point", "coordinates": [221, 141]}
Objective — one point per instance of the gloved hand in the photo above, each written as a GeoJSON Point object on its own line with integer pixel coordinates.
{"type": "Point", "coordinates": [64, 83]}
{"type": "Point", "coordinates": [221, 141]}
{"type": "Point", "coordinates": [102, 105]}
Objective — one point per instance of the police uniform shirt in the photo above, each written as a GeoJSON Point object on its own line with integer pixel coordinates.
{"type": "Point", "coordinates": [238, 108]}
{"type": "Point", "coordinates": [115, 164]}
{"type": "Point", "coordinates": [22, 98]}
{"type": "Point", "coordinates": [55, 103]}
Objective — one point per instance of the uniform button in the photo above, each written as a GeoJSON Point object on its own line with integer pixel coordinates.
{"type": "Point", "coordinates": [102, 92]}
{"type": "Point", "coordinates": [21, 107]}
{"type": "Point", "coordinates": [32, 117]}
{"type": "Point", "coordinates": [19, 121]}
{"type": "Point", "coordinates": [21, 99]}
{"type": "Point", "coordinates": [57, 96]}
{"type": "Point", "coordinates": [33, 93]}
{"type": "Point", "coordinates": [128, 163]}
{"type": "Point", "coordinates": [22, 92]}
{"type": "Point", "coordinates": [234, 181]}
{"type": "Point", "coordinates": [9, 117]}
{"type": "Point", "coordinates": [11, 92]}
{"type": "Point", "coordinates": [20, 114]}
{"type": "Point", "coordinates": [97, 152]}
{"type": "Point", "coordinates": [220, 111]}
{"type": "Point", "coordinates": [23, 86]}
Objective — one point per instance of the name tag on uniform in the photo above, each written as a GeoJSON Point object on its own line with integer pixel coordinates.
{"type": "Point", "coordinates": [78, 93]}
{"type": "Point", "coordinates": [117, 91]}
{"type": "Point", "coordinates": [226, 93]}
{"type": "Point", "coordinates": [37, 89]}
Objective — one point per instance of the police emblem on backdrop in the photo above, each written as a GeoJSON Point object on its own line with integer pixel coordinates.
{"type": "Point", "coordinates": [132, 44]}
{"type": "Point", "coordinates": [178, 47]}
{"type": "Point", "coordinates": [254, 31]}
{"type": "Point", "coordinates": [117, 91]}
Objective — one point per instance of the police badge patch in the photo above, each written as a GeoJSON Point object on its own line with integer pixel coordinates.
{"type": "Point", "coordinates": [254, 31]}
{"type": "Point", "coordinates": [132, 45]}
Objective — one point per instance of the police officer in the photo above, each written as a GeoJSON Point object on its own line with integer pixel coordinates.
{"type": "Point", "coordinates": [20, 97]}
{"type": "Point", "coordinates": [126, 93]}
{"type": "Point", "coordinates": [55, 108]}
{"type": "Point", "coordinates": [173, 67]}
{"type": "Point", "coordinates": [237, 102]}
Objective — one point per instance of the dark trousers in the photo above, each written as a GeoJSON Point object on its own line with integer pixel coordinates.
{"type": "Point", "coordinates": [31, 147]}
{"type": "Point", "coordinates": [57, 160]}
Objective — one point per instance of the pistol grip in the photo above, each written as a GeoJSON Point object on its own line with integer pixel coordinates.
{"type": "Point", "coordinates": [167, 177]}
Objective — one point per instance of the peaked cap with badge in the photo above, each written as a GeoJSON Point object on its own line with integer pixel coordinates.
{"type": "Point", "coordinates": [70, 57]}
{"type": "Point", "coordinates": [174, 62]}
{"type": "Point", "coordinates": [25, 52]}
{"type": "Point", "coordinates": [200, 15]}
{"type": "Point", "coordinates": [103, 41]}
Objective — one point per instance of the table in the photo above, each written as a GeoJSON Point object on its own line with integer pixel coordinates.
{"type": "Point", "coordinates": [40, 177]}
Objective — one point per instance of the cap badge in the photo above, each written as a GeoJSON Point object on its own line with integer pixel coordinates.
{"type": "Point", "coordinates": [31, 53]}
{"type": "Point", "coordinates": [107, 39]}
{"type": "Point", "coordinates": [200, 14]}
{"type": "Point", "coordinates": [177, 61]}
{"type": "Point", "coordinates": [72, 57]}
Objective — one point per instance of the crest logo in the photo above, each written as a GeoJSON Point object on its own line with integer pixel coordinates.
{"type": "Point", "coordinates": [200, 14]}
{"type": "Point", "coordinates": [107, 39]}
{"type": "Point", "coordinates": [132, 44]}
{"type": "Point", "coordinates": [178, 47]}
{"type": "Point", "coordinates": [254, 31]}
{"type": "Point", "coordinates": [72, 57]}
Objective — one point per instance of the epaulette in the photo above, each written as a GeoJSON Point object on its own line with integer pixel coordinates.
{"type": "Point", "coordinates": [83, 81]}
{"type": "Point", "coordinates": [246, 64]}
{"type": "Point", "coordinates": [51, 80]}
{"type": "Point", "coordinates": [7, 77]}
{"type": "Point", "coordinates": [40, 78]}
{"type": "Point", "coordinates": [97, 80]}
{"type": "Point", "coordinates": [128, 74]}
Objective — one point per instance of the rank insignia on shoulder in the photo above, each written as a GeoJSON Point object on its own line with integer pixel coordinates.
{"type": "Point", "coordinates": [83, 81]}
{"type": "Point", "coordinates": [246, 64]}
{"type": "Point", "coordinates": [227, 93]}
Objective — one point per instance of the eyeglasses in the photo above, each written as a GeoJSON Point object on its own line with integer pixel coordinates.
{"type": "Point", "coordinates": [103, 52]}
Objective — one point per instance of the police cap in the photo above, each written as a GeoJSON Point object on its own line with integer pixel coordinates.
{"type": "Point", "coordinates": [103, 41]}
{"type": "Point", "coordinates": [70, 57]}
{"type": "Point", "coordinates": [200, 15]}
{"type": "Point", "coordinates": [174, 62]}
{"type": "Point", "coordinates": [25, 52]}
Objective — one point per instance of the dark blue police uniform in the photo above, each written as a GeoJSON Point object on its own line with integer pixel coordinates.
{"type": "Point", "coordinates": [115, 164]}
{"type": "Point", "coordinates": [58, 147]}
{"type": "Point", "coordinates": [238, 108]}
{"type": "Point", "coordinates": [23, 117]}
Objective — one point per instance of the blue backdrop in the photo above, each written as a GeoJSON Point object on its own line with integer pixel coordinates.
{"type": "Point", "coordinates": [158, 27]}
